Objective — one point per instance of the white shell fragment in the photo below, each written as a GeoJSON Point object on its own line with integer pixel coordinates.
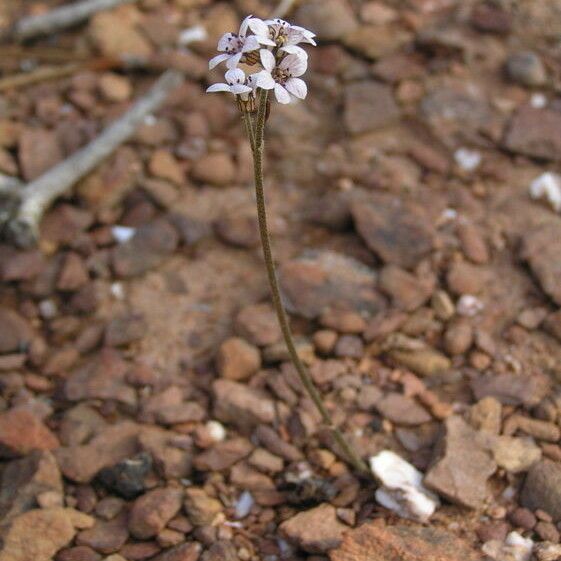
{"type": "Point", "coordinates": [122, 234]}
{"type": "Point", "coordinates": [548, 187]}
{"type": "Point", "coordinates": [244, 504]}
{"type": "Point", "coordinates": [515, 548]}
{"type": "Point", "coordinates": [468, 160]}
{"type": "Point", "coordinates": [469, 306]}
{"type": "Point", "coordinates": [402, 490]}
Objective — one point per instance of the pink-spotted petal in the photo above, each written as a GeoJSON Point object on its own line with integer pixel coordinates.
{"type": "Point", "coordinates": [281, 94]}
{"type": "Point", "coordinates": [227, 41]}
{"type": "Point", "coordinates": [235, 76]}
{"type": "Point", "coordinates": [297, 87]}
{"type": "Point", "coordinates": [234, 60]}
{"type": "Point", "coordinates": [218, 88]}
{"type": "Point", "coordinates": [214, 62]}
{"type": "Point", "coordinates": [294, 65]}
{"type": "Point", "coordinates": [267, 60]}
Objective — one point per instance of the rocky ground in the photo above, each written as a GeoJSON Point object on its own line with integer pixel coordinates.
{"type": "Point", "coordinates": [148, 410]}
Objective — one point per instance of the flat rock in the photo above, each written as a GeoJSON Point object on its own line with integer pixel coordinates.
{"type": "Point", "coordinates": [509, 389]}
{"type": "Point", "coordinates": [515, 455]}
{"type": "Point", "coordinates": [258, 324]}
{"type": "Point", "coordinates": [170, 460]}
{"type": "Point", "coordinates": [102, 377]}
{"type": "Point", "coordinates": [402, 410]}
{"type": "Point", "coordinates": [151, 512]}
{"type": "Point", "coordinates": [38, 534]}
{"type": "Point", "coordinates": [105, 537]}
{"type": "Point", "coordinates": [375, 542]}
{"type": "Point", "coordinates": [115, 443]}
{"type": "Point", "coordinates": [329, 19]}
{"type": "Point", "coordinates": [24, 479]}
{"type": "Point", "coordinates": [406, 290]}
{"type": "Point", "coordinates": [535, 133]}
{"type": "Point", "coordinates": [369, 105]}
{"type": "Point", "coordinates": [15, 332]}
{"type": "Point", "coordinates": [542, 488]}
{"type": "Point", "coordinates": [21, 432]}
{"type": "Point", "coordinates": [241, 405]}
{"type": "Point", "coordinates": [541, 248]}
{"type": "Point", "coordinates": [184, 552]}
{"type": "Point", "coordinates": [237, 359]}
{"type": "Point", "coordinates": [398, 232]}
{"type": "Point", "coordinates": [322, 280]}
{"type": "Point", "coordinates": [461, 465]}
{"type": "Point", "coordinates": [150, 245]}
{"type": "Point", "coordinates": [315, 531]}
{"type": "Point", "coordinates": [38, 151]}
{"type": "Point", "coordinates": [223, 455]}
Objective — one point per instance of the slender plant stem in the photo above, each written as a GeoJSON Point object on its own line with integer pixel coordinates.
{"type": "Point", "coordinates": [351, 454]}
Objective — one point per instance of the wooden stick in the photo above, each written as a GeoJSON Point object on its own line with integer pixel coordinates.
{"type": "Point", "coordinates": [36, 197]}
{"type": "Point", "coordinates": [59, 18]}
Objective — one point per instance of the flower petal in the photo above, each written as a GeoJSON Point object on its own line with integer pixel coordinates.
{"type": "Point", "coordinates": [244, 25]}
{"type": "Point", "coordinates": [234, 60]}
{"type": "Point", "coordinates": [266, 41]}
{"type": "Point", "coordinates": [218, 88]}
{"type": "Point", "coordinates": [259, 27]}
{"type": "Point", "coordinates": [226, 41]}
{"type": "Point", "coordinates": [297, 87]}
{"type": "Point", "coordinates": [294, 50]}
{"type": "Point", "coordinates": [240, 89]}
{"type": "Point", "coordinates": [251, 44]}
{"type": "Point", "coordinates": [214, 62]}
{"type": "Point", "coordinates": [294, 65]}
{"type": "Point", "coordinates": [281, 94]}
{"type": "Point", "coordinates": [267, 59]}
{"type": "Point", "coordinates": [263, 80]}
{"type": "Point", "coordinates": [235, 76]}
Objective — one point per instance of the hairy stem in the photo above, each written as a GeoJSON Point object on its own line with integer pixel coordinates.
{"type": "Point", "coordinates": [347, 449]}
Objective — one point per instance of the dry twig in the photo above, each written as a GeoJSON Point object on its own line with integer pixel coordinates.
{"type": "Point", "coordinates": [24, 207]}
{"type": "Point", "coordinates": [57, 19]}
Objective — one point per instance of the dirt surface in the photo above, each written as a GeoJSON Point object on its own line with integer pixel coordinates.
{"type": "Point", "coordinates": [147, 408]}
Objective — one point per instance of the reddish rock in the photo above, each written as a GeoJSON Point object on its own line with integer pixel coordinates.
{"type": "Point", "coordinates": [473, 243]}
{"type": "Point", "coordinates": [125, 329]}
{"type": "Point", "coordinates": [241, 405]}
{"type": "Point", "coordinates": [185, 552]}
{"type": "Point", "coordinates": [82, 463]}
{"type": "Point", "coordinates": [316, 531]}
{"type": "Point", "coordinates": [258, 324]}
{"type": "Point", "coordinates": [461, 465]}
{"type": "Point", "coordinates": [114, 87]}
{"type": "Point", "coordinates": [78, 553]}
{"type": "Point", "coordinates": [105, 537]}
{"type": "Point", "coordinates": [542, 488]}
{"type": "Point", "coordinates": [15, 332]}
{"type": "Point", "coordinates": [21, 432]}
{"type": "Point", "coordinates": [320, 280]}
{"type": "Point", "coordinates": [102, 377]}
{"type": "Point", "coordinates": [22, 266]}
{"type": "Point", "coordinates": [170, 460]}
{"type": "Point", "coordinates": [164, 165]}
{"type": "Point", "coordinates": [239, 228]}
{"type": "Point", "coordinates": [535, 133]}
{"type": "Point", "coordinates": [223, 455]}
{"type": "Point", "coordinates": [398, 232]}
{"type": "Point", "coordinates": [402, 410]}
{"type": "Point", "coordinates": [376, 542]}
{"type": "Point", "coordinates": [406, 290]}
{"type": "Point", "coordinates": [330, 19]}
{"type": "Point", "coordinates": [216, 168]}
{"type": "Point", "coordinates": [237, 359]}
{"type": "Point", "coordinates": [73, 273]}
{"type": "Point", "coordinates": [200, 508]}
{"type": "Point", "coordinates": [465, 278]}
{"type": "Point", "coordinates": [151, 512]}
{"type": "Point", "coordinates": [512, 389]}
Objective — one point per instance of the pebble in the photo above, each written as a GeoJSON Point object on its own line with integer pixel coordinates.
{"type": "Point", "coordinates": [185, 552]}
{"type": "Point", "coordinates": [201, 509]}
{"type": "Point", "coordinates": [152, 511]}
{"type": "Point", "coordinates": [516, 455]}
{"type": "Point", "coordinates": [16, 333]}
{"type": "Point", "coordinates": [329, 19]}
{"type": "Point", "coordinates": [105, 537]}
{"type": "Point", "coordinates": [258, 324]}
{"type": "Point", "coordinates": [522, 518]}
{"type": "Point", "coordinates": [217, 169]}
{"type": "Point", "coordinates": [126, 478]}
{"type": "Point", "coordinates": [315, 531]}
{"type": "Point", "coordinates": [486, 415]}
{"type": "Point", "coordinates": [114, 87]}
{"type": "Point", "coordinates": [406, 291]}
{"type": "Point", "coordinates": [514, 548]}
{"type": "Point", "coordinates": [468, 160]}
{"type": "Point", "coordinates": [402, 490]}
{"type": "Point", "coordinates": [461, 465]}
{"type": "Point", "coordinates": [349, 346]}
{"type": "Point", "coordinates": [469, 306]}
{"type": "Point", "coordinates": [526, 68]}
{"type": "Point", "coordinates": [164, 165]}
{"type": "Point", "coordinates": [237, 359]}
{"type": "Point", "coordinates": [223, 455]}
{"type": "Point", "coordinates": [542, 488]}
{"type": "Point", "coordinates": [458, 337]}
{"type": "Point", "coordinates": [547, 186]}
{"type": "Point", "coordinates": [402, 410]}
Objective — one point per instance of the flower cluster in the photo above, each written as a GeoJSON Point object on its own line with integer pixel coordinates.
{"type": "Point", "coordinates": [274, 46]}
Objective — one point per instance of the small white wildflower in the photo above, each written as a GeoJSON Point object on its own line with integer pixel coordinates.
{"type": "Point", "coordinates": [284, 77]}
{"type": "Point", "coordinates": [285, 34]}
{"type": "Point", "coordinates": [468, 160]}
{"type": "Point", "coordinates": [235, 83]}
{"type": "Point", "coordinates": [234, 46]}
{"type": "Point", "coordinates": [547, 186]}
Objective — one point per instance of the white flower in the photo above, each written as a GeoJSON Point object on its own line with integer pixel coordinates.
{"type": "Point", "coordinates": [284, 77]}
{"type": "Point", "coordinates": [234, 46]}
{"type": "Point", "coordinates": [235, 83]}
{"type": "Point", "coordinates": [285, 34]}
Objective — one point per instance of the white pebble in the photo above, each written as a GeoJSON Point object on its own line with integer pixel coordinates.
{"type": "Point", "coordinates": [122, 234]}
{"type": "Point", "coordinates": [244, 504]}
{"type": "Point", "coordinates": [538, 101]}
{"type": "Point", "coordinates": [547, 186]}
{"type": "Point", "coordinates": [402, 490]}
{"type": "Point", "coordinates": [216, 431]}
{"type": "Point", "coordinates": [48, 309]}
{"type": "Point", "coordinates": [192, 35]}
{"type": "Point", "coordinates": [467, 159]}
{"type": "Point", "coordinates": [469, 306]}
{"type": "Point", "coordinates": [118, 290]}
{"type": "Point", "coordinates": [515, 548]}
